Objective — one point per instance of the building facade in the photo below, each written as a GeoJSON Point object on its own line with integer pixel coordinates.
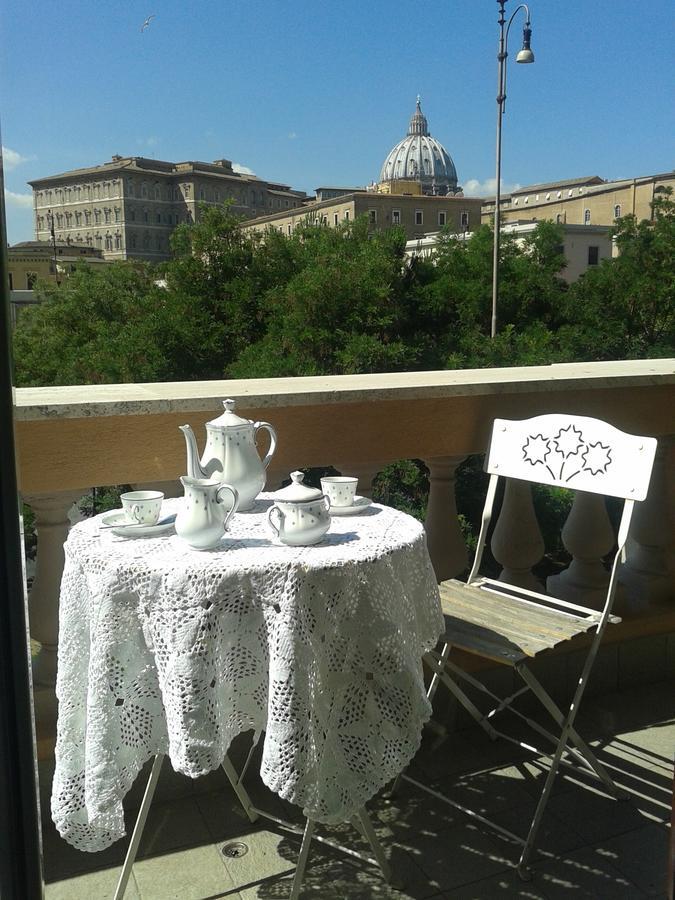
{"type": "Point", "coordinates": [32, 260]}
{"type": "Point", "coordinates": [127, 208]}
{"type": "Point", "coordinates": [416, 214]}
{"type": "Point", "coordinates": [581, 201]}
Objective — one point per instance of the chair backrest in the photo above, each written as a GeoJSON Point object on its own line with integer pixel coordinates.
{"type": "Point", "coordinates": [574, 452]}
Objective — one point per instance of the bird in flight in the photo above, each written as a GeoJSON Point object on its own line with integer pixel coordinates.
{"type": "Point", "coordinates": [146, 24]}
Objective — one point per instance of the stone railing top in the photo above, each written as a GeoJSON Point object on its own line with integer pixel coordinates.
{"type": "Point", "coordinates": [84, 401]}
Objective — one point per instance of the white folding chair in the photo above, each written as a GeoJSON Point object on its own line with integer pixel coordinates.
{"type": "Point", "coordinates": [361, 822]}
{"type": "Point", "coordinates": [509, 625]}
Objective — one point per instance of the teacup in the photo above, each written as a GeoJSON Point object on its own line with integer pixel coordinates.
{"type": "Point", "coordinates": [142, 507]}
{"type": "Point", "coordinates": [340, 489]}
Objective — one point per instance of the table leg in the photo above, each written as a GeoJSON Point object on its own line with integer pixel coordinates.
{"type": "Point", "coordinates": [239, 789]}
{"type": "Point", "coordinates": [375, 846]}
{"type": "Point", "coordinates": [302, 860]}
{"type": "Point", "coordinates": [138, 827]}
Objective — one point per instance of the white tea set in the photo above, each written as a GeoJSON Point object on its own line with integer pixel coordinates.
{"type": "Point", "coordinates": [227, 479]}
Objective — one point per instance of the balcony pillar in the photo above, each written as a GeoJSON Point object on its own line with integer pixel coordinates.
{"type": "Point", "coordinates": [588, 536]}
{"type": "Point", "coordinates": [516, 543]}
{"type": "Point", "coordinates": [644, 573]}
{"type": "Point", "coordinates": [447, 547]}
{"type": "Point", "coordinates": [52, 525]}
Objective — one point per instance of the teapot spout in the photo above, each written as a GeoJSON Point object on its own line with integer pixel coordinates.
{"type": "Point", "coordinates": [194, 469]}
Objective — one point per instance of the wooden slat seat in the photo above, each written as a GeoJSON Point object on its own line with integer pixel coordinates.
{"type": "Point", "coordinates": [503, 627]}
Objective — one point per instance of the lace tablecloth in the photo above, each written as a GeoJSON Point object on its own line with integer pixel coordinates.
{"type": "Point", "coordinates": [171, 650]}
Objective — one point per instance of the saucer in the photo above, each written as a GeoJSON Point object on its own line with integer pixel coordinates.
{"type": "Point", "coordinates": [359, 504]}
{"type": "Point", "coordinates": [126, 529]}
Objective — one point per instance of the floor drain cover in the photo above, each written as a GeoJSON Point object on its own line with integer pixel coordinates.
{"type": "Point", "coordinates": [235, 849]}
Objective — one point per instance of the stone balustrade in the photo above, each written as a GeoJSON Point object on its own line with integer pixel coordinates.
{"type": "Point", "coordinates": [71, 439]}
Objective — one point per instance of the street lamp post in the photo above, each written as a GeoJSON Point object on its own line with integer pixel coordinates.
{"type": "Point", "coordinates": [525, 55]}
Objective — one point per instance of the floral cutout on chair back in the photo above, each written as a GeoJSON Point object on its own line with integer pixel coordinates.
{"type": "Point", "coordinates": [574, 452]}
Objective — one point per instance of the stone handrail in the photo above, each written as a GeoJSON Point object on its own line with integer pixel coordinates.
{"type": "Point", "coordinates": [70, 439]}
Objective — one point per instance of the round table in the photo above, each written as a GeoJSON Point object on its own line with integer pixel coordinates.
{"type": "Point", "coordinates": [165, 649]}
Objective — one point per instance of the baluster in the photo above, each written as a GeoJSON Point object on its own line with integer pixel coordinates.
{"type": "Point", "coordinates": [447, 547]}
{"type": "Point", "coordinates": [588, 536]}
{"type": "Point", "coordinates": [52, 525]}
{"type": "Point", "coordinates": [644, 574]}
{"type": "Point", "coordinates": [517, 544]}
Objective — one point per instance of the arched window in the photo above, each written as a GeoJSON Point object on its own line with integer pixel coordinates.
{"type": "Point", "coordinates": [587, 217]}
{"type": "Point", "coordinates": [108, 242]}
{"type": "Point", "coordinates": [157, 194]}
{"type": "Point", "coordinates": [118, 241]}
{"type": "Point", "coordinates": [617, 211]}
{"type": "Point", "coordinates": [132, 241]}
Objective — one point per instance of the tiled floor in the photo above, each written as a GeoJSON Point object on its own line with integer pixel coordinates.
{"type": "Point", "coordinates": [589, 845]}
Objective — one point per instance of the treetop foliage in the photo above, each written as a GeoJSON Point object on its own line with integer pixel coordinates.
{"type": "Point", "coordinates": [234, 303]}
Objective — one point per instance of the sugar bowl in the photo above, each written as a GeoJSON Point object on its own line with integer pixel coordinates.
{"type": "Point", "coordinates": [300, 515]}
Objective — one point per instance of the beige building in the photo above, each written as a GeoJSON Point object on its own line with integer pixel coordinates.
{"type": "Point", "coordinates": [128, 207]}
{"type": "Point", "coordinates": [584, 246]}
{"type": "Point", "coordinates": [581, 201]}
{"type": "Point", "coordinates": [418, 215]}
{"type": "Point", "coordinates": [30, 260]}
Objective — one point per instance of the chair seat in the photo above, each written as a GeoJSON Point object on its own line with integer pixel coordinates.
{"type": "Point", "coordinates": [506, 627]}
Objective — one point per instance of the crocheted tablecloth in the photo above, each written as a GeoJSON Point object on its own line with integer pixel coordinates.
{"type": "Point", "coordinates": [164, 649]}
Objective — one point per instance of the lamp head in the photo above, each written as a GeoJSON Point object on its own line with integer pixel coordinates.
{"type": "Point", "coordinates": [525, 55]}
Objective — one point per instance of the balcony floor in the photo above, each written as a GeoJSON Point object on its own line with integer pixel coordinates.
{"type": "Point", "coordinates": [589, 844]}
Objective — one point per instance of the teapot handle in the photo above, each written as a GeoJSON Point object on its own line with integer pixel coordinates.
{"type": "Point", "coordinates": [273, 440]}
{"type": "Point", "coordinates": [275, 528]}
{"type": "Point", "coordinates": [235, 504]}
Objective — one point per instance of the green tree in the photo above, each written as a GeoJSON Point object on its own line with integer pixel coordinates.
{"type": "Point", "coordinates": [102, 325]}
{"type": "Point", "coordinates": [625, 308]}
{"type": "Point", "coordinates": [340, 309]}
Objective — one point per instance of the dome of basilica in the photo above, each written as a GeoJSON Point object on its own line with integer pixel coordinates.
{"type": "Point", "coordinates": [421, 158]}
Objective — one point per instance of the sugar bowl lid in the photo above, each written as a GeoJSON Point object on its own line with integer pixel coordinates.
{"type": "Point", "coordinates": [297, 492]}
{"type": "Point", "coordinates": [228, 419]}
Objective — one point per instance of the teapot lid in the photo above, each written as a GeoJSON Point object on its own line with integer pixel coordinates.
{"type": "Point", "coordinates": [297, 492]}
{"type": "Point", "coordinates": [228, 419]}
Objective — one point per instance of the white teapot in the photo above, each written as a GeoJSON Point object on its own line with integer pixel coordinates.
{"type": "Point", "coordinates": [301, 513]}
{"type": "Point", "coordinates": [230, 454]}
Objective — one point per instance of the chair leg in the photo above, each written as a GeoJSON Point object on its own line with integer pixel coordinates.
{"type": "Point", "coordinates": [138, 827]}
{"type": "Point", "coordinates": [575, 738]}
{"type": "Point", "coordinates": [468, 704]}
{"type": "Point", "coordinates": [523, 868]}
{"type": "Point", "coordinates": [302, 860]}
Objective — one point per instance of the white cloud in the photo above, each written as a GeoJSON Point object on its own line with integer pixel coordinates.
{"type": "Point", "coordinates": [23, 201]}
{"type": "Point", "coordinates": [150, 141]}
{"type": "Point", "coordinates": [11, 158]}
{"type": "Point", "coordinates": [242, 170]}
{"type": "Point", "coordinates": [475, 188]}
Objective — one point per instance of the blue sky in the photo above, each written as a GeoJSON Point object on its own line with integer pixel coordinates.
{"type": "Point", "coordinates": [316, 93]}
